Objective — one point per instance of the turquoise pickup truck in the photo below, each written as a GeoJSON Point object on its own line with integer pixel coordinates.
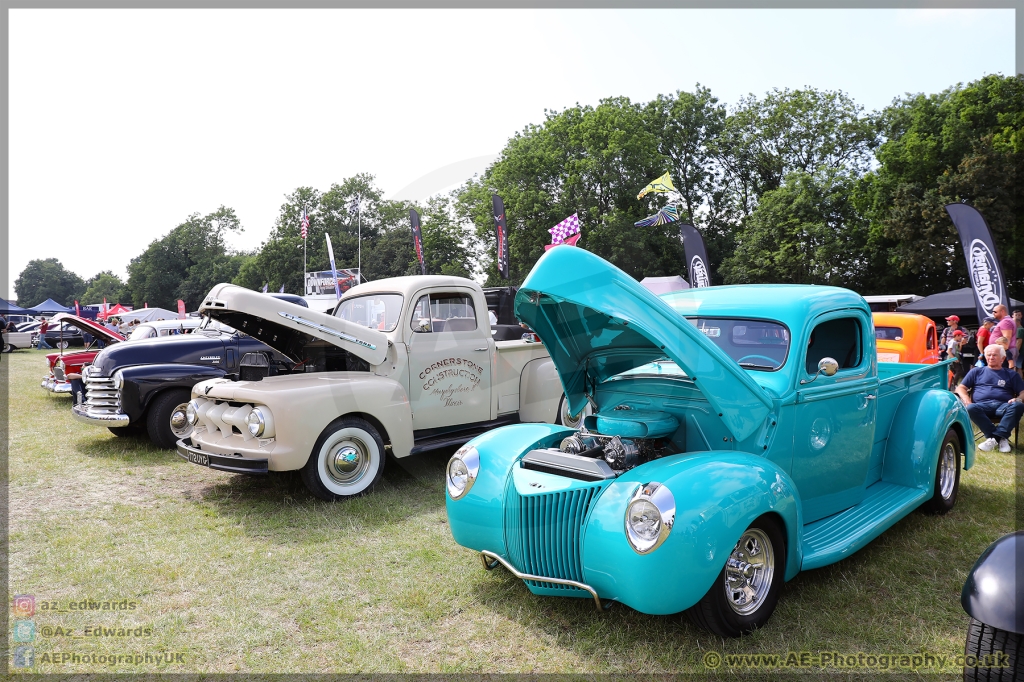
{"type": "Point", "coordinates": [725, 439]}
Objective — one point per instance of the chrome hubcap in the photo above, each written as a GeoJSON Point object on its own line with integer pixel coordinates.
{"type": "Point", "coordinates": [749, 572]}
{"type": "Point", "coordinates": [347, 461]}
{"type": "Point", "coordinates": [947, 471]}
{"type": "Point", "coordinates": [179, 422]}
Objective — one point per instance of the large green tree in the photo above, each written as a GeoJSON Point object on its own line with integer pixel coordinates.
{"type": "Point", "coordinates": [963, 144]}
{"type": "Point", "coordinates": [102, 286]}
{"type": "Point", "coordinates": [805, 232]}
{"type": "Point", "coordinates": [47, 278]}
{"type": "Point", "coordinates": [586, 160]}
{"type": "Point", "coordinates": [379, 225]}
{"type": "Point", "coordinates": [187, 262]}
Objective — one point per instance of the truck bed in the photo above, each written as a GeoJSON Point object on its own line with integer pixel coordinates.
{"type": "Point", "coordinates": [889, 372]}
{"type": "Point", "coordinates": [896, 380]}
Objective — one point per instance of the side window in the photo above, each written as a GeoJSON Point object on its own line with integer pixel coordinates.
{"type": "Point", "coordinates": [420, 320]}
{"type": "Point", "coordinates": [930, 343]}
{"type": "Point", "coordinates": [839, 339]}
{"type": "Point", "coordinates": [452, 312]}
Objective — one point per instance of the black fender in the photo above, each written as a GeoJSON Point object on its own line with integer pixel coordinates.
{"type": "Point", "coordinates": [993, 592]}
{"type": "Point", "coordinates": [143, 382]}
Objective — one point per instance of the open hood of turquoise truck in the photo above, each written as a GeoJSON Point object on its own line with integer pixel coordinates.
{"type": "Point", "coordinates": [596, 321]}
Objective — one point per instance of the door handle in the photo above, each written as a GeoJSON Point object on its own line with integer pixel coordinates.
{"type": "Point", "coordinates": [869, 396]}
{"type": "Point", "coordinates": [480, 350]}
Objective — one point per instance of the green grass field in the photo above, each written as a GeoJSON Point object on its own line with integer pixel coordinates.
{"type": "Point", "coordinates": [253, 574]}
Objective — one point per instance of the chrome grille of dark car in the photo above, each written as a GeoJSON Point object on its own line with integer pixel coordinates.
{"type": "Point", "coordinates": [543, 533]}
{"type": "Point", "coordinates": [100, 395]}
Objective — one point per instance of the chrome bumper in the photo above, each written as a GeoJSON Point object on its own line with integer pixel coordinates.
{"type": "Point", "coordinates": [82, 414]}
{"type": "Point", "coordinates": [54, 386]}
{"type": "Point", "coordinates": [495, 560]}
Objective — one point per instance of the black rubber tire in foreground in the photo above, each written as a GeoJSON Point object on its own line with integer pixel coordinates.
{"type": "Point", "coordinates": [347, 460]}
{"type": "Point", "coordinates": [940, 503]}
{"type": "Point", "coordinates": [985, 647]}
{"type": "Point", "coordinates": [714, 612]}
{"type": "Point", "coordinates": [158, 418]}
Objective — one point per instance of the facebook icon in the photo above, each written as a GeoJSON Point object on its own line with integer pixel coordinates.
{"type": "Point", "coordinates": [24, 657]}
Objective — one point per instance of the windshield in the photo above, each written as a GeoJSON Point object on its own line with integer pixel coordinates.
{"type": "Point", "coordinates": [754, 344]}
{"type": "Point", "coordinates": [373, 311]}
{"type": "Point", "coordinates": [888, 333]}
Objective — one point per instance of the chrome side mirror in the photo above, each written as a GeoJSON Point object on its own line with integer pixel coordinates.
{"type": "Point", "coordinates": [826, 366]}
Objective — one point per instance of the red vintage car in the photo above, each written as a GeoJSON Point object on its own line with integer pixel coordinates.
{"type": "Point", "coordinates": [61, 364]}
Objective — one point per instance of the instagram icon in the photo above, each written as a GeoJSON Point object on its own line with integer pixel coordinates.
{"type": "Point", "coordinates": [24, 605]}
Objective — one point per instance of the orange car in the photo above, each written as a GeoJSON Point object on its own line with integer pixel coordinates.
{"type": "Point", "coordinates": [905, 337]}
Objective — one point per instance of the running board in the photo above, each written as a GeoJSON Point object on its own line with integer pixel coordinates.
{"type": "Point", "coordinates": [838, 536]}
{"type": "Point", "coordinates": [432, 439]}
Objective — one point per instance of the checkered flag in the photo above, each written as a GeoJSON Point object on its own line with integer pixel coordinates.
{"type": "Point", "coordinates": [565, 229]}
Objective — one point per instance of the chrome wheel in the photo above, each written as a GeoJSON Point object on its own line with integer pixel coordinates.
{"type": "Point", "coordinates": [179, 422]}
{"type": "Point", "coordinates": [749, 572]}
{"type": "Point", "coordinates": [349, 461]}
{"type": "Point", "coordinates": [947, 470]}
{"type": "Point", "coordinates": [63, 344]}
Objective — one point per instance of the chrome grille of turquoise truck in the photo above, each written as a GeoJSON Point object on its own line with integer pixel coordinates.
{"type": "Point", "coordinates": [544, 533]}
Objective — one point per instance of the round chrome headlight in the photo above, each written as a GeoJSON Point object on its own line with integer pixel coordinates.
{"type": "Point", "coordinates": [118, 379]}
{"type": "Point", "coordinates": [462, 471]}
{"type": "Point", "coordinates": [256, 422]}
{"type": "Point", "coordinates": [649, 517]}
{"type": "Point", "coordinates": [192, 412]}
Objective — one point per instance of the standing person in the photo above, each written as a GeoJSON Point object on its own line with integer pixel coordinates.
{"type": "Point", "coordinates": [953, 352]}
{"type": "Point", "coordinates": [983, 335]}
{"type": "Point", "coordinates": [42, 345]}
{"type": "Point", "coordinates": [1017, 318]}
{"type": "Point", "coordinates": [998, 393]}
{"type": "Point", "coordinates": [1007, 329]}
{"type": "Point", "coordinates": [952, 325]}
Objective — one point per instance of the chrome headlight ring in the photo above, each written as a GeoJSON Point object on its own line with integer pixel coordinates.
{"type": "Point", "coordinates": [118, 380]}
{"type": "Point", "coordinates": [192, 412]}
{"type": "Point", "coordinates": [257, 422]}
{"type": "Point", "coordinates": [649, 518]}
{"type": "Point", "coordinates": [462, 470]}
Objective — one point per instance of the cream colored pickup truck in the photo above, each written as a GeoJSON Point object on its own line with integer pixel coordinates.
{"type": "Point", "coordinates": [406, 364]}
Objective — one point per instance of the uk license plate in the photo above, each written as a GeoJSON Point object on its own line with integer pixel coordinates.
{"type": "Point", "coordinates": [198, 458]}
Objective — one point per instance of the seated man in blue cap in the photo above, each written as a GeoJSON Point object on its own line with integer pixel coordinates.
{"type": "Point", "coordinates": [997, 394]}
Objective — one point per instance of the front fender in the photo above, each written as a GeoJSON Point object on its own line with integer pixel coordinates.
{"type": "Point", "coordinates": [476, 518]}
{"type": "Point", "coordinates": [143, 382]}
{"type": "Point", "coordinates": [918, 428]}
{"type": "Point", "coordinates": [717, 495]}
{"type": "Point", "coordinates": [988, 591]}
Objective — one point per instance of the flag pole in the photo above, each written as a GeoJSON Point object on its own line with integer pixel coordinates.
{"type": "Point", "coordinates": [359, 238]}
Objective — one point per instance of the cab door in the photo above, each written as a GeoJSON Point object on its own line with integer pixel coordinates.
{"type": "Point", "coordinates": [449, 360]}
{"type": "Point", "coordinates": [835, 416]}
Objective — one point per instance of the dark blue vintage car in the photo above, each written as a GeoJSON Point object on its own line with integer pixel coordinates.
{"type": "Point", "coordinates": [143, 386]}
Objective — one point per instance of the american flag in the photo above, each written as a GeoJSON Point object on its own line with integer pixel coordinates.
{"type": "Point", "coordinates": [564, 229]}
{"type": "Point", "coordinates": [305, 223]}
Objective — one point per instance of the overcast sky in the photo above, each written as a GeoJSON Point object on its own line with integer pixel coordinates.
{"type": "Point", "coordinates": [124, 122]}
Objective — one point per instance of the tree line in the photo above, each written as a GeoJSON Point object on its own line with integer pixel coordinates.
{"type": "Point", "coordinates": [796, 186]}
